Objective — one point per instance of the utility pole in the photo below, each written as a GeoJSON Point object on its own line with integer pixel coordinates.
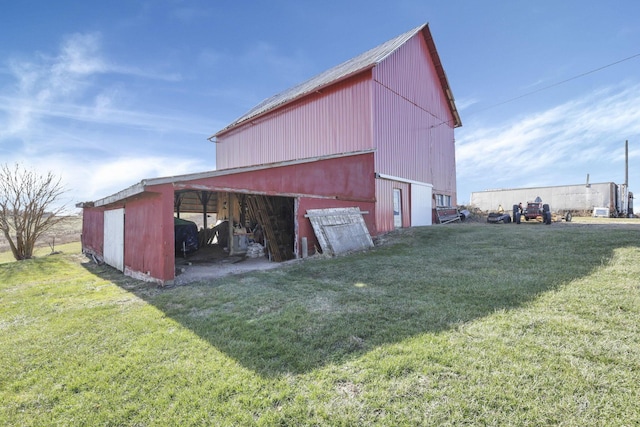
{"type": "Point", "coordinates": [625, 190]}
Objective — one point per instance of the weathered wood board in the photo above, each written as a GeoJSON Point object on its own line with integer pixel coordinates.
{"type": "Point", "coordinates": [340, 230]}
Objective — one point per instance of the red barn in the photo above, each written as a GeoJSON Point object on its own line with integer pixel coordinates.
{"type": "Point", "coordinates": [375, 133]}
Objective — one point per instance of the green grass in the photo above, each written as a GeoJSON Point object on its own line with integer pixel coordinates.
{"type": "Point", "coordinates": [447, 325]}
{"type": "Point", "coordinates": [70, 248]}
{"type": "Point", "coordinates": [64, 236]}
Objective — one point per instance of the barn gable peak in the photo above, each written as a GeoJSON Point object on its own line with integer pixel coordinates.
{"type": "Point", "coordinates": [351, 67]}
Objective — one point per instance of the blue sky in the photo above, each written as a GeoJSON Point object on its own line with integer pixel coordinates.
{"type": "Point", "coordinates": [105, 94]}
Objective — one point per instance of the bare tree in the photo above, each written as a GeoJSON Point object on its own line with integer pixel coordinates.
{"type": "Point", "coordinates": [27, 207]}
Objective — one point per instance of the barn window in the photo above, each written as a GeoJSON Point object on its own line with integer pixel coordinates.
{"type": "Point", "coordinates": [443, 200]}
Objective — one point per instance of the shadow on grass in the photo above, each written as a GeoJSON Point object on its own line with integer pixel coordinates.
{"type": "Point", "coordinates": [321, 311]}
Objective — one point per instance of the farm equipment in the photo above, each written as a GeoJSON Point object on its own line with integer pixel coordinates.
{"type": "Point", "coordinates": [541, 212]}
{"type": "Point", "coordinates": [499, 218]}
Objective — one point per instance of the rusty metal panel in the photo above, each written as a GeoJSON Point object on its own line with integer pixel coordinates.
{"type": "Point", "coordinates": [335, 121]}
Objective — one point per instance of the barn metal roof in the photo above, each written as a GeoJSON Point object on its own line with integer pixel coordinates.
{"type": "Point", "coordinates": [349, 68]}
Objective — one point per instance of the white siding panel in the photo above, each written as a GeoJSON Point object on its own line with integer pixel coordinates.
{"type": "Point", "coordinates": [420, 205]}
{"type": "Point", "coordinates": [114, 238]}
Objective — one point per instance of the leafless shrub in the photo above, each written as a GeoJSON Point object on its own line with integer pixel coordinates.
{"type": "Point", "coordinates": [27, 207]}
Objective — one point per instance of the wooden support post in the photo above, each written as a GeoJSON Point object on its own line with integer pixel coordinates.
{"type": "Point", "coordinates": [230, 227]}
{"type": "Point", "coordinates": [177, 201]}
{"type": "Point", "coordinates": [305, 248]}
{"type": "Point", "coordinates": [204, 197]}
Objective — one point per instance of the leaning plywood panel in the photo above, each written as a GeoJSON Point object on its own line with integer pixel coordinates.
{"type": "Point", "coordinates": [340, 230]}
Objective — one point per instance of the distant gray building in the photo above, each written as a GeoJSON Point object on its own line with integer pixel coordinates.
{"type": "Point", "coordinates": [580, 199]}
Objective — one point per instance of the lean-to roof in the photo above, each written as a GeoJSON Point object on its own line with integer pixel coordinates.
{"type": "Point", "coordinates": [143, 185]}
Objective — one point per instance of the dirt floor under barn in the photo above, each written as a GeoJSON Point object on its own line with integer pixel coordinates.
{"type": "Point", "coordinates": [213, 262]}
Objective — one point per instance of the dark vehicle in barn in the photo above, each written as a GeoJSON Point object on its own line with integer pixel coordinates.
{"type": "Point", "coordinates": [186, 236]}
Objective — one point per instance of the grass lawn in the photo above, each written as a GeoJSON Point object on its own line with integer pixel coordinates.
{"type": "Point", "coordinates": [446, 325]}
{"type": "Point", "coordinates": [64, 236]}
{"type": "Point", "coordinates": [73, 247]}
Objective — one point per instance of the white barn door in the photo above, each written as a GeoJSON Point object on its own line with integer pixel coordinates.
{"type": "Point", "coordinates": [420, 204]}
{"type": "Point", "coordinates": [114, 238]}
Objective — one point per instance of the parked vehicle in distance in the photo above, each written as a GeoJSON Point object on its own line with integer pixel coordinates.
{"type": "Point", "coordinates": [533, 210]}
{"type": "Point", "coordinates": [609, 199]}
{"type": "Point", "coordinates": [541, 212]}
{"type": "Point", "coordinates": [499, 218]}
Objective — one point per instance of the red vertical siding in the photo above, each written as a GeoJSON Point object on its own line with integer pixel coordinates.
{"type": "Point", "coordinates": [340, 182]}
{"type": "Point", "coordinates": [410, 73]}
{"type": "Point", "coordinates": [343, 178]}
{"type": "Point", "coordinates": [413, 132]}
{"type": "Point", "coordinates": [93, 231]}
{"type": "Point", "coordinates": [384, 204]}
{"type": "Point", "coordinates": [149, 235]}
{"type": "Point", "coordinates": [338, 120]}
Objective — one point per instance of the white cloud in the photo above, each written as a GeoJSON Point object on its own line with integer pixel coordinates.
{"type": "Point", "coordinates": [119, 173]}
{"type": "Point", "coordinates": [62, 86]}
{"type": "Point", "coordinates": [558, 146]}
{"type": "Point", "coordinates": [93, 179]}
{"type": "Point", "coordinates": [464, 103]}
{"type": "Point", "coordinates": [71, 113]}
{"type": "Point", "coordinates": [46, 81]}
{"type": "Point", "coordinates": [101, 110]}
{"type": "Point", "coordinates": [80, 55]}
{"type": "Point", "coordinates": [57, 86]}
